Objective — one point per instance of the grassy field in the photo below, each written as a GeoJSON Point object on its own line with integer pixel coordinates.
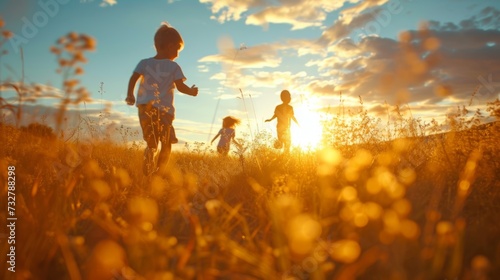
{"type": "Point", "coordinates": [413, 208]}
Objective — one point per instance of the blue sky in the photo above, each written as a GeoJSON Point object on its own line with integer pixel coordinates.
{"type": "Point", "coordinates": [315, 49]}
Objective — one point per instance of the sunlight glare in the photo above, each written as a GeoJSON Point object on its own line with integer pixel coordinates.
{"type": "Point", "coordinates": [308, 135]}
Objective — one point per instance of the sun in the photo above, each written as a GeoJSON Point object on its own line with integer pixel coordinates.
{"type": "Point", "coordinates": [308, 135]}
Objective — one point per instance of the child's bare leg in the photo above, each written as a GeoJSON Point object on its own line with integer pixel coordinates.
{"type": "Point", "coordinates": [152, 141]}
{"type": "Point", "coordinates": [166, 147]}
{"type": "Point", "coordinates": [287, 141]}
{"type": "Point", "coordinates": [149, 127]}
{"type": "Point", "coordinates": [173, 137]}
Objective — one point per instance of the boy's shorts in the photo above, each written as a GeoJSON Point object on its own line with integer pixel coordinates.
{"type": "Point", "coordinates": [156, 125]}
{"type": "Point", "coordinates": [284, 136]}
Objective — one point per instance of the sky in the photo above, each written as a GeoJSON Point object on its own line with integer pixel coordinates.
{"type": "Point", "coordinates": [426, 55]}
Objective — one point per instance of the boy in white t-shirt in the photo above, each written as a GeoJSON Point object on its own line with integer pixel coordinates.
{"type": "Point", "coordinates": [160, 75]}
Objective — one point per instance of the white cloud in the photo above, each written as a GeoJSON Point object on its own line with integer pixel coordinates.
{"type": "Point", "coordinates": [298, 13]}
{"type": "Point", "coordinates": [227, 10]}
{"type": "Point", "coordinates": [203, 68]}
{"type": "Point", "coordinates": [258, 56]}
{"type": "Point", "coordinates": [349, 14]}
{"type": "Point", "coordinates": [106, 3]}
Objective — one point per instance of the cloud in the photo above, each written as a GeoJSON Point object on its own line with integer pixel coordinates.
{"type": "Point", "coordinates": [235, 61]}
{"type": "Point", "coordinates": [305, 47]}
{"type": "Point", "coordinates": [97, 119]}
{"type": "Point", "coordinates": [74, 116]}
{"type": "Point", "coordinates": [459, 57]}
{"type": "Point", "coordinates": [487, 19]}
{"type": "Point", "coordinates": [227, 96]}
{"type": "Point", "coordinates": [97, 124]}
{"type": "Point", "coordinates": [386, 70]}
{"type": "Point", "coordinates": [203, 68]}
{"type": "Point", "coordinates": [227, 10]}
{"type": "Point", "coordinates": [36, 89]}
{"type": "Point", "coordinates": [258, 81]}
{"type": "Point", "coordinates": [297, 13]}
{"type": "Point", "coordinates": [446, 56]}
{"type": "Point", "coordinates": [343, 28]}
{"type": "Point", "coordinates": [259, 56]}
{"type": "Point", "coordinates": [265, 79]}
{"type": "Point", "coordinates": [107, 3]}
{"type": "Point", "coordinates": [321, 87]}
{"type": "Point", "coordinates": [469, 39]}
{"type": "Point", "coordinates": [358, 68]}
{"type": "Point", "coordinates": [352, 13]}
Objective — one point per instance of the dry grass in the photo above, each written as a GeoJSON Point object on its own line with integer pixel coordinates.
{"type": "Point", "coordinates": [405, 200]}
{"type": "Point", "coordinates": [416, 208]}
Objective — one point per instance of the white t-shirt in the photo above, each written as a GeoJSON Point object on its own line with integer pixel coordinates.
{"type": "Point", "coordinates": [157, 83]}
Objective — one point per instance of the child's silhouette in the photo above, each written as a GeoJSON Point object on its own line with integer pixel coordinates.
{"type": "Point", "coordinates": [227, 134]}
{"type": "Point", "coordinates": [284, 113]}
{"type": "Point", "coordinates": [155, 99]}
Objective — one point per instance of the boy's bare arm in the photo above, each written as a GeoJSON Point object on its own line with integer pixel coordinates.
{"type": "Point", "coordinates": [182, 87]}
{"type": "Point", "coordinates": [131, 85]}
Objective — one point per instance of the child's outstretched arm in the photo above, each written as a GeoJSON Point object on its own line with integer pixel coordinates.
{"type": "Point", "coordinates": [236, 142]}
{"type": "Point", "coordinates": [293, 117]}
{"type": "Point", "coordinates": [274, 116]}
{"type": "Point", "coordinates": [131, 85]}
{"type": "Point", "coordinates": [182, 87]}
{"type": "Point", "coordinates": [215, 137]}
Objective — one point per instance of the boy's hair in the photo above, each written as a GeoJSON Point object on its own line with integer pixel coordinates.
{"type": "Point", "coordinates": [229, 121]}
{"type": "Point", "coordinates": [285, 96]}
{"type": "Point", "coordinates": [165, 35]}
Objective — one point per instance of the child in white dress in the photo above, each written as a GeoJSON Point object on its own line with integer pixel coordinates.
{"type": "Point", "coordinates": [227, 134]}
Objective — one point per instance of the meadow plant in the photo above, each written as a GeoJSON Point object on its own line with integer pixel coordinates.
{"type": "Point", "coordinates": [404, 200]}
{"type": "Point", "coordinates": [70, 52]}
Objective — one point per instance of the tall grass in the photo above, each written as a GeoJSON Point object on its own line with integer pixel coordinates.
{"type": "Point", "coordinates": [399, 200]}
{"type": "Point", "coordinates": [412, 208]}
